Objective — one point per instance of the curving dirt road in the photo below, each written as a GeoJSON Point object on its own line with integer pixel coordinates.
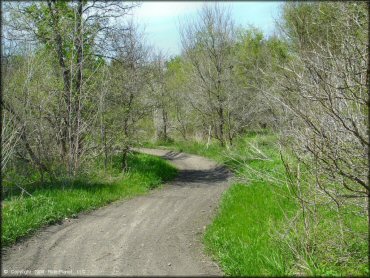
{"type": "Point", "coordinates": [156, 234]}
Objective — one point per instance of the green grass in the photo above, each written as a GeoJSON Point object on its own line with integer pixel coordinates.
{"type": "Point", "coordinates": [240, 235]}
{"type": "Point", "coordinates": [246, 235]}
{"type": "Point", "coordinates": [23, 215]}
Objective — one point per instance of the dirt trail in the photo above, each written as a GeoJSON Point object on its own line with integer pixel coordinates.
{"type": "Point", "coordinates": [156, 234]}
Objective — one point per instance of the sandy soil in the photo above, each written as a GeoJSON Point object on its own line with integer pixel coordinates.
{"type": "Point", "coordinates": [156, 234]}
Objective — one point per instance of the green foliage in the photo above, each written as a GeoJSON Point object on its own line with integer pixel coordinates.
{"type": "Point", "coordinates": [22, 215]}
{"type": "Point", "coordinates": [64, 23]}
{"type": "Point", "coordinates": [176, 74]}
{"type": "Point", "coordinates": [309, 24]}
{"type": "Point", "coordinates": [250, 40]}
{"type": "Point", "coordinates": [39, 14]}
{"type": "Point", "coordinates": [254, 52]}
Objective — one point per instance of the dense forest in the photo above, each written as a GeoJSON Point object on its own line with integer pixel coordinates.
{"type": "Point", "coordinates": [82, 87]}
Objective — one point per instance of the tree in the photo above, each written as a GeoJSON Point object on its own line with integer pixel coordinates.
{"type": "Point", "coordinates": [207, 43]}
{"type": "Point", "coordinates": [177, 83]}
{"type": "Point", "coordinates": [254, 57]}
{"type": "Point", "coordinates": [323, 88]}
{"type": "Point", "coordinates": [75, 35]}
{"type": "Point", "coordinates": [127, 90]}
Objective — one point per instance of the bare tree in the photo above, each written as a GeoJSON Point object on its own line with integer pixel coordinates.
{"type": "Point", "coordinates": [207, 43]}
{"type": "Point", "coordinates": [74, 33]}
{"type": "Point", "coordinates": [127, 88]}
{"type": "Point", "coordinates": [323, 88]}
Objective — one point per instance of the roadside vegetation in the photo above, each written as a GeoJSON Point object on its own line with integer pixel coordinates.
{"type": "Point", "coordinates": [253, 232]}
{"type": "Point", "coordinates": [25, 211]}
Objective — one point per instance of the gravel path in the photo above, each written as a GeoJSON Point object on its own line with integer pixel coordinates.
{"type": "Point", "coordinates": [156, 234]}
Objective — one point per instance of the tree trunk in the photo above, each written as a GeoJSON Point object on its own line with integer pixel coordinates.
{"type": "Point", "coordinates": [368, 111]}
{"type": "Point", "coordinates": [77, 139]}
{"type": "Point", "coordinates": [221, 125]}
{"type": "Point", "coordinates": [124, 158]}
{"type": "Point", "coordinates": [66, 79]}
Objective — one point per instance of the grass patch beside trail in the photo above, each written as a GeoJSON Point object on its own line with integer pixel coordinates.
{"type": "Point", "coordinates": [23, 215]}
{"type": "Point", "coordinates": [243, 236]}
{"type": "Point", "coordinates": [240, 235]}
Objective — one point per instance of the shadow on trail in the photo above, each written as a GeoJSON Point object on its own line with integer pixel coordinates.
{"type": "Point", "coordinates": [212, 176]}
{"type": "Point", "coordinates": [171, 155]}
